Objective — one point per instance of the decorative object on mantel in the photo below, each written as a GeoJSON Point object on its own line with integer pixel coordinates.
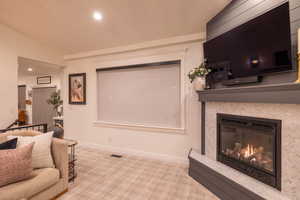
{"type": "Point", "coordinates": [298, 57]}
{"type": "Point", "coordinates": [198, 76]}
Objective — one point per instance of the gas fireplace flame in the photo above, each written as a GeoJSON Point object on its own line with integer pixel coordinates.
{"type": "Point", "coordinates": [253, 154]}
{"type": "Point", "coordinates": [249, 151]}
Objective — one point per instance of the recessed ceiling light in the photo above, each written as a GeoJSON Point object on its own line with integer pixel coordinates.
{"type": "Point", "coordinates": [30, 69]}
{"type": "Point", "coordinates": [97, 16]}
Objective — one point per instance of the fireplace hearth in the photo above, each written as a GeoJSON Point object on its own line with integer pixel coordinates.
{"type": "Point", "coordinates": [251, 146]}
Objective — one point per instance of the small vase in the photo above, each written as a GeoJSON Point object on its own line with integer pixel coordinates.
{"type": "Point", "coordinates": [199, 83]}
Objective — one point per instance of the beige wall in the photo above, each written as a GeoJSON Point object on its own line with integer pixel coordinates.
{"type": "Point", "coordinates": [14, 44]}
{"type": "Point", "coordinates": [79, 119]}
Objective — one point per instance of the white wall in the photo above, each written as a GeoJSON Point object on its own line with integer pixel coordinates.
{"type": "Point", "coordinates": [14, 44]}
{"type": "Point", "coordinates": [79, 119]}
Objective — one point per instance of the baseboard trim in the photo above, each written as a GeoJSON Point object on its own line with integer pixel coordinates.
{"type": "Point", "coordinates": [132, 152]}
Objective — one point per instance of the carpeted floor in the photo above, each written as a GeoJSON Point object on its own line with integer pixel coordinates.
{"type": "Point", "coordinates": [101, 177]}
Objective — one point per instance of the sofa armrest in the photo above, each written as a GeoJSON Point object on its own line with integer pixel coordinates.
{"type": "Point", "coordinates": [60, 157]}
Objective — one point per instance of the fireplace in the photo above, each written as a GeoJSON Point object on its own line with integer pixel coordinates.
{"type": "Point", "coordinates": [251, 146]}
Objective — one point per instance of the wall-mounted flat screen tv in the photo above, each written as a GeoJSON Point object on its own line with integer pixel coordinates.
{"type": "Point", "coordinates": [259, 46]}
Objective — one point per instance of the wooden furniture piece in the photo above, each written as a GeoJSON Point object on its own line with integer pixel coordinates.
{"type": "Point", "coordinates": [72, 159]}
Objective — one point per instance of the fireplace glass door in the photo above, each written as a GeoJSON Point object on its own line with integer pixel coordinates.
{"type": "Point", "coordinates": [251, 145]}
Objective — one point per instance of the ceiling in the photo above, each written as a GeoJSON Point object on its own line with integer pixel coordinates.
{"type": "Point", "coordinates": [39, 68]}
{"type": "Point", "coordinates": [68, 24]}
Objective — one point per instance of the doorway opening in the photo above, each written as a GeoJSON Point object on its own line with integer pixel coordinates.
{"type": "Point", "coordinates": [37, 83]}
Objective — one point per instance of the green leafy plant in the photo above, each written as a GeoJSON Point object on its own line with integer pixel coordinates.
{"type": "Point", "coordinates": [56, 101]}
{"type": "Point", "coordinates": [201, 71]}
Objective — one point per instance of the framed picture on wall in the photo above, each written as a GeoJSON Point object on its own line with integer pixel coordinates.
{"type": "Point", "coordinates": [77, 88]}
{"type": "Point", "coordinates": [42, 80]}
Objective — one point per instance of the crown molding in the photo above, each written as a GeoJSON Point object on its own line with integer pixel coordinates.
{"type": "Point", "coordinates": [139, 46]}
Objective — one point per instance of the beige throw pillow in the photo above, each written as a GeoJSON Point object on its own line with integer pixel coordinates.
{"type": "Point", "coordinates": [41, 154]}
{"type": "Point", "coordinates": [15, 164]}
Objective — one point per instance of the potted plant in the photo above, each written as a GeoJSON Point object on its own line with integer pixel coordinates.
{"type": "Point", "coordinates": [197, 76]}
{"type": "Point", "coordinates": [56, 102]}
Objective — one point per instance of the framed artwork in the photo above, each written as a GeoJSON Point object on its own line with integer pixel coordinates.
{"type": "Point", "coordinates": [42, 80]}
{"type": "Point", "coordinates": [77, 89]}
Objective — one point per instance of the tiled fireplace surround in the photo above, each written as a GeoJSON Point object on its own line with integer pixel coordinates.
{"type": "Point", "coordinates": [290, 116]}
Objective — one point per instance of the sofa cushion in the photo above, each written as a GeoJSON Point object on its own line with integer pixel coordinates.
{"type": "Point", "coordinates": [41, 179]}
{"type": "Point", "coordinates": [41, 154]}
{"type": "Point", "coordinates": [15, 164]}
{"type": "Point", "coordinates": [10, 144]}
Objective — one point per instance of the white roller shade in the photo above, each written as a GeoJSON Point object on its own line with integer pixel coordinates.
{"type": "Point", "coordinates": [147, 95]}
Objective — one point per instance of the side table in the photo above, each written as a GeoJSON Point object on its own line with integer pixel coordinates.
{"type": "Point", "coordinates": [72, 159]}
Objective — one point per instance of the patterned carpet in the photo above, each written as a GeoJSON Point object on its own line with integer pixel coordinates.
{"type": "Point", "coordinates": [101, 177]}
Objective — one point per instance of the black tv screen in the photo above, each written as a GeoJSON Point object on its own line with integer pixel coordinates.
{"type": "Point", "coordinates": [260, 46]}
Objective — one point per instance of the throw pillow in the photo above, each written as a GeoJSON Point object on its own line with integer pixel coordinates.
{"type": "Point", "coordinates": [15, 164]}
{"type": "Point", "coordinates": [10, 144]}
{"type": "Point", "coordinates": [41, 153]}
